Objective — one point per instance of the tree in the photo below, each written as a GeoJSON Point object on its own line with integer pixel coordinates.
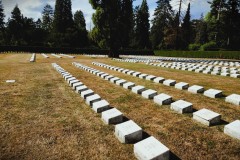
{"type": "Point", "coordinates": [81, 40]}
{"type": "Point", "coordinates": [163, 16]}
{"type": "Point", "coordinates": [106, 25]}
{"type": "Point", "coordinates": [200, 30]}
{"type": "Point", "coordinates": [186, 29]}
{"type": "Point", "coordinates": [47, 17]}
{"type": "Point", "coordinates": [2, 16]}
{"type": "Point", "coordinates": [127, 23]}
{"type": "Point", "coordinates": [143, 26]}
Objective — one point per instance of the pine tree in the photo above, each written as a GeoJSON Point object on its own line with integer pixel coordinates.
{"type": "Point", "coordinates": [143, 26]}
{"type": "Point", "coordinates": [47, 17]}
{"type": "Point", "coordinates": [163, 16]}
{"type": "Point", "coordinates": [79, 20]}
{"type": "Point", "coordinates": [2, 16]}
{"type": "Point", "coordinates": [186, 29]}
{"type": "Point", "coordinates": [201, 36]}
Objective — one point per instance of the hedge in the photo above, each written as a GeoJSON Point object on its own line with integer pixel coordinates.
{"type": "Point", "coordinates": [200, 54]}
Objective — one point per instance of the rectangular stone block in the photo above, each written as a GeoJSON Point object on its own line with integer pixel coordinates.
{"type": "Point", "coordinates": [149, 94]}
{"type": "Point", "coordinates": [120, 82]}
{"type": "Point", "coordinates": [169, 82]}
{"type": "Point", "coordinates": [207, 117]}
{"type": "Point", "coordinates": [67, 77]}
{"type": "Point", "coordinates": [182, 85]}
{"type": "Point", "coordinates": [109, 77]}
{"type": "Point", "coordinates": [143, 76]}
{"type": "Point", "coordinates": [150, 77]}
{"type": "Point", "coordinates": [234, 99]}
{"type": "Point", "coordinates": [151, 149]}
{"type": "Point", "coordinates": [76, 85]}
{"type": "Point", "coordinates": [233, 129]}
{"type": "Point", "coordinates": [130, 72]}
{"type": "Point", "coordinates": [93, 98]}
{"type": "Point", "coordinates": [73, 81]}
{"type": "Point", "coordinates": [138, 89]}
{"type": "Point", "coordinates": [213, 93]}
{"type": "Point", "coordinates": [85, 94]}
{"type": "Point", "coordinates": [80, 89]}
{"type": "Point", "coordinates": [113, 80]}
{"type": "Point", "coordinates": [182, 107]}
{"type": "Point", "coordinates": [100, 106]}
{"type": "Point", "coordinates": [159, 80]}
{"type": "Point", "coordinates": [112, 116]}
{"type": "Point", "coordinates": [136, 74]}
{"type": "Point", "coordinates": [235, 75]}
{"type": "Point", "coordinates": [104, 75]}
{"type": "Point", "coordinates": [125, 71]}
{"type": "Point", "coordinates": [196, 89]}
{"type": "Point", "coordinates": [225, 74]}
{"type": "Point", "coordinates": [128, 85]}
{"type": "Point", "coordinates": [163, 99]}
{"type": "Point", "coordinates": [128, 132]}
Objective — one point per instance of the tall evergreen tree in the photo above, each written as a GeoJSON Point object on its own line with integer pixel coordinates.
{"type": "Point", "coordinates": [106, 25]}
{"type": "Point", "coordinates": [143, 26]}
{"type": "Point", "coordinates": [163, 15]}
{"type": "Point", "coordinates": [201, 35]}
{"type": "Point", "coordinates": [127, 23]}
{"type": "Point", "coordinates": [186, 29]}
{"type": "Point", "coordinates": [47, 17]}
{"type": "Point", "coordinates": [2, 16]}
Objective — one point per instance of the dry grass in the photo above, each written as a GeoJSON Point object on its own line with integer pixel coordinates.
{"type": "Point", "coordinates": [42, 118]}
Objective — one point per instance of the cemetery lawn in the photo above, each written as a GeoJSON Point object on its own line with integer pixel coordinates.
{"type": "Point", "coordinates": [41, 117]}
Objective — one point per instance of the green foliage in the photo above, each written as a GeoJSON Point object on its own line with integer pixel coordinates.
{"type": "Point", "coordinates": [2, 16]}
{"type": "Point", "coordinates": [200, 54]}
{"type": "Point", "coordinates": [47, 17]}
{"type": "Point", "coordinates": [210, 46]}
{"type": "Point", "coordinates": [194, 47]}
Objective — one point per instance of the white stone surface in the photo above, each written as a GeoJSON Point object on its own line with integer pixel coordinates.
{"type": "Point", "coordinates": [109, 77]}
{"type": "Point", "coordinates": [128, 132]}
{"type": "Point", "coordinates": [76, 85]}
{"type": "Point", "coordinates": [162, 99]}
{"type": "Point", "coordinates": [143, 76]}
{"type": "Point", "coordinates": [159, 80]}
{"type": "Point", "coordinates": [207, 117]}
{"type": "Point", "coordinates": [169, 82]}
{"type": "Point", "coordinates": [85, 94]}
{"type": "Point", "coordinates": [233, 129]}
{"type": "Point", "coordinates": [10, 81]}
{"type": "Point", "coordinates": [113, 80]}
{"type": "Point", "coordinates": [73, 81]}
{"type": "Point", "coordinates": [138, 89]}
{"type": "Point", "coordinates": [182, 85]}
{"type": "Point", "coordinates": [213, 93]}
{"type": "Point", "coordinates": [151, 149]}
{"type": "Point", "coordinates": [135, 74]}
{"type": "Point", "coordinates": [120, 82]}
{"type": "Point", "coordinates": [235, 75]}
{"type": "Point", "coordinates": [112, 116]}
{"type": "Point", "coordinates": [128, 85]}
{"type": "Point", "coordinates": [130, 72]}
{"type": "Point", "coordinates": [225, 74]}
{"type": "Point", "coordinates": [70, 79]}
{"type": "Point", "coordinates": [181, 106]}
{"type": "Point", "coordinates": [79, 89]}
{"type": "Point", "coordinates": [233, 98]}
{"type": "Point", "coordinates": [150, 77]}
{"type": "Point", "coordinates": [93, 98]}
{"type": "Point", "coordinates": [196, 89]}
{"type": "Point", "coordinates": [149, 94]}
{"type": "Point", "coordinates": [67, 77]}
{"type": "Point", "coordinates": [100, 106]}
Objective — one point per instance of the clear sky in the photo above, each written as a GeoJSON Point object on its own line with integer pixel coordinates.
{"type": "Point", "coordinates": [33, 8]}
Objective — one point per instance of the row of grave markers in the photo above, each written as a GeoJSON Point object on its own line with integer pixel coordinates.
{"type": "Point", "coordinates": [204, 116]}
{"type": "Point", "coordinates": [126, 132]}
{"type": "Point", "coordinates": [211, 93]}
{"type": "Point", "coordinates": [33, 58]}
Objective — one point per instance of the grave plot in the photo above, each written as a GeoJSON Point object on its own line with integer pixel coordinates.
{"type": "Point", "coordinates": [65, 55]}
{"type": "Point", "coordinates": [33, 58]}
{"type": "Point", "coordinates": [55, 55]}
{"type": "Point", "coordinates": [125, 132]}
{"type": "Point", "coordinates": [195, 89]}
{"type": "Point", "coordinates": [44, 55]}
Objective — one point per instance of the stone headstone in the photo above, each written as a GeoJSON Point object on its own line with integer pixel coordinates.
{"type": "Point", "coordinates": [80, 89]}
{"type": "Point", "coordinates": [143, 76]}
{"type": "Point", "coordinates": [159, 80]}
{"type": "Point", "coordinates": [76, 85]}
{"type": "Point", "coordinates": [196, 89]}
{"type": "Point", "coordinates": [136, 74]}
{"type": "Point", "coordinates": [120, 82]}
{"type": "Point", "coordinates": [149, 94]}
{"type": "Point", "coordinates": [182, 85]}
{"type": "Point", "coordinates": [213, 93]}
{"type": "Point", "coordinates": [128, 85]}
{"type": "Point", "coordinates": [113, 80]}
{"type": "Point", "coordinates": [112, 116]}
{"type": "Point", "coordinates": [151, 149]}
{"type": "Point", "coordinates": [10, 81]}
{"type": "Point", "coordinates": [100, 106]}
{"type": "Point", "coordinates": [138, 89]}
{"type": "Point", "coordinates": [128, 132]}
{"type": "Point", "coordinates": [73, 81]}
{"type": "Point", "coordinates": [182, 107]}
{"type": "Point", "coordinates": [233, 98]}
{"type": "Point", "coordinates": [233, 129]}
{"type": "Point", "coordinates": [150, 77]}
{"type": "Point", "coordinates": [87, 93]}
{"type": "Point", "coordinates": [93, 98]}
{"type": "Point", "coordinates": [207, 117]}
{"type": "Point", "coordinates": [169, 82]}
{"type": "Point", "coordinates": [163, 99]}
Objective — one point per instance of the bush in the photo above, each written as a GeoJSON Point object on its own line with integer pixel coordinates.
{"type": "Point", "coordinates": [194, 47]}
{"type": "Point", "coordinates": [210, 46]}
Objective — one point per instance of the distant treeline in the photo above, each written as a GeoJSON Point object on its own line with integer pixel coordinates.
{"type": "Point", "coordinates": [70, 50]}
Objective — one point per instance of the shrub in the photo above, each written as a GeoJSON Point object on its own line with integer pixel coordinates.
{"type": "Point", "coordinates": [210, 46]}
{"type": "Point", "coordinates": [194, 47]}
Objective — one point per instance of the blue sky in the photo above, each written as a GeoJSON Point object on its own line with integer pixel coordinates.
{"type": "Point", "coordinates": [33, 8]}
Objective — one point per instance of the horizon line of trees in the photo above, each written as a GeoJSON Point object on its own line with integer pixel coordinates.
{"type": "Point", "coordinates": [119, 25]}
